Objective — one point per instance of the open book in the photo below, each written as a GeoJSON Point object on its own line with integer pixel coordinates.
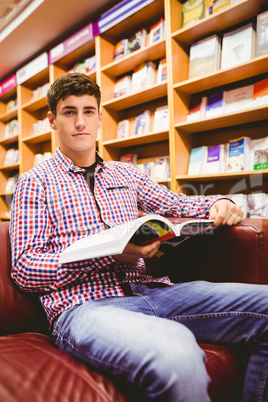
{"type": "Point", "coordinates": [142, 231]}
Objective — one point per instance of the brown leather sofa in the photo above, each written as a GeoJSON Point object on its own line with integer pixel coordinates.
{"type": "Point", "coordinates": [32, 369]}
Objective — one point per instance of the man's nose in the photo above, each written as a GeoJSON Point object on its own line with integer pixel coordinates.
{"type": "Point", "coordinates": [80, 122]}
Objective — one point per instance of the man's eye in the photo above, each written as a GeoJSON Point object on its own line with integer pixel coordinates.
{"type": "Point", "coordinates": [69, 112]}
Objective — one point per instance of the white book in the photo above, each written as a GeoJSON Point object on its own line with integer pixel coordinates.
{"type": "Point", "coordinates": [204, 56]}
{"type": "Point", "coordinates": [162, 168]}
{"type": "Point", "coordinates": [122, 86]}
{"type": "Point", "coordinates": [143, 76]}
{"type": "Point", "coordinates": [142, 123]}
{"type": "Point", "coordinates": [162, 71]}
{"type": "Point", "coordinates": [238, 99]}
{"type": "Point", "coordinates": [197, 108]}
{"type": "Point", "coordinates": [196, 162]}
{"type": "Point", "coordinates": [257, 205]}
{"type": "Point", "coordinates": [238, 46]}
{"type": "Point", "coordinates": [123, 129]}
{"type": "Point", "coordinates": [157, 32]}
{"type": "Point", "coordinates": [214, 159]}
{"type": "Point", "coordinates": [214, 104]}
{"type": "Point", "coordinates": [239, 155]}
{"type": "Point", "coordinates": [161, 118]}
{"type": "Point", "coordinates": [143, 230]}
{"type": "Point", "coordinates": [260, 153]}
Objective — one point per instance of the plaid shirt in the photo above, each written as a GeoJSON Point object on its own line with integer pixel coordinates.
{"type": "Point", "coordinates": [53, 207]}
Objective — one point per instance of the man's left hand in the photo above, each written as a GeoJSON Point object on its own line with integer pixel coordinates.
{"type": "Point", "coordinates": [225, 212]}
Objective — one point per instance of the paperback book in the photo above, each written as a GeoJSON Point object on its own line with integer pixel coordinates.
{"type": "Point", "coordinates": [192, 11]}
{"type": "Point", "coordinates": [161, 118]}
{"type": "Point", "coordinates": [142, 123]}
{"type": "Point", "coordinates": [238, 99]}
{"type": "Point", "coordinates": [136, 41]}
{"type": "Point", "coordinates": [162, 71]}
{"type": "Point", "coordinates": [214, 106]}
{"type": "Point", "coordinates": [122, 86]}
{"type": "Point", "coordinates": [260, 153]}
{"type": "Point", "coordinates": [239, 155]}
{"type": "Point", "coordinates": [141, 231]}
{"type": "Point", "coordinates": [197, 108]}
{"type": "Point", "coordinates": [157, 32]}
{"type": "Point", "coordinates": [262, 34]}
{"type": "Point", "coordinates": [204, 56]}
{"type": "Point", "coordinates": [214, 159]}
{"type": "Point", "coordinates": [123, 129]}
{"type": "Point", "coordinates": [238, 46]}
{"type": "Point", "coordinates": [120, 49]}
{"type": "Point", "coordinates": [143, 76]}
{"type": "Point", "coordinates": [197, 157]}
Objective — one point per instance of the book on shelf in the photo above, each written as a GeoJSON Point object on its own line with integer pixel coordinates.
{"type": "Point", "coordinates": [235, 2]}
{"type": "Point", "coordinates": [214, 104]}
{"type": "Point", "coordinates": [136, 41]}
{"type": "Point", "coordinates": [239, 155]}
{"type": "Point", "coordinates": [11, 184]}
{"type": "Point", "coordinates": [197, 108]}
{"type": "Point", "coordinates": [122, 86]}
{"type": "Point", "coordinates": [238, 99]}
{"type": "Point", "coordinates": [120, 49]}
{"type": "Point", "coordinates": [238, 46]}
{"type": "Point", "coordinates": [12, 157]}
{"type": "Point", "coordinates": [123, 129]}
{"type": "Point", "coordinates": [262, 34]}
{"type": "Point", "coordinates": [157, 31]}
{"type": "Point", "coordinates": [257, 205]}
{"type": "Point", "coordinates": [143, 76]}
{"type": "Point", "coordinates": [142, 123]}
{"type": "Point", "coordinates": [161, 118]}
{"type": "Point", "coordinates": [162, 168]}
{"type": "Point", "coordinates": [130, 158]}
{"type": "Point", "coordinates": [149, 169]}
{"type": "Point", "coordinates": [162, 71]}
{"type": "Point", "coordinates": [141, 231]}
{"type": "Point", "coordinates": [260, 92]}
{"type": "Point", "coordinates": [220, 5]}
{"type": "Point", "coordinates": [214, 159]}
{"type": "Point", "coordinates": [192, 11]}
{"type": "Point", "coordinates": [196, 161]}
{"type": "Point", "coordinates": [204, 57]}
{"type": "Point", "coordinates": [260, 153]}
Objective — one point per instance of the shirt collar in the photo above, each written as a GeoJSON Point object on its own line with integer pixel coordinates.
{"type": "Point", "coordinates": [67, 163]}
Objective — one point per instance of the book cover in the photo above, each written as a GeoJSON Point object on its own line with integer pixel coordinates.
{"type": "Point", "coordinates": [130, 158]}
{"type": "Point", "coordinates": [260, 153]}
{"type": "Point", "coordinates": [143, 76]}
{"type": "Point", "coordinates": [260, 93]}
{"type": "Point", "coordinates": [161, 118]}
{"type": "Point", "coordinates": [262, 34]}
{"type": "Point", "coordinates": [204, 57]}
{"type": "Point", "coordinates": [120, 49]}
{"type": "Point", "coordinates": [214, 159]}
{"type": "Point", "coordinates": [141, 231]}
{"type": "Point", "coordinates": [142, 123]}
{"type": "Point", "coordinates": [238, 46]}
{"type": "Point", "coordinates": [136, 41]}
{"type": "Point", "coordinates": [197, 108]}
{"type": "Point", "coordinates": [196, 160]}
{"type": "Point", "coordinates": [157, 31]}
{"type": "Point", "coordinates": [162, 71]}
{"type": "Point", "coordinates": [123, 129]}
{"type": "Point", "coordinates": [192, 11]}
{"type": "Point", "coordinates": [162, 168]}
{"type": "Point", "coordinates": [239, 155]}
{"type": "Point", "coordinates": [122, 86]}
{"type": "Point", "coordinates": [238, 99]}
{"type": "Point", "coordinates": [214, 105]}
{"type": "Point", "coordinates": [220, 5]}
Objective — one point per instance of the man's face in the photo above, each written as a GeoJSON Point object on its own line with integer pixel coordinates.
{"type": "Point", "coordinates": [77, 122]}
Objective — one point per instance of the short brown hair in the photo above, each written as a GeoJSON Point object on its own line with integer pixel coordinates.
{"type": "Point", "coordinates": [72, 84]}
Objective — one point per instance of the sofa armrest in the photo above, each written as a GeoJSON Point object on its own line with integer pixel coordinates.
{"type": "Point", "coordinates": [231, 254]}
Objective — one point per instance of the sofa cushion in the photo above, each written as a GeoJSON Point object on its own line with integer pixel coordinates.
{"type": "Point", "coordinates": [32, 369]}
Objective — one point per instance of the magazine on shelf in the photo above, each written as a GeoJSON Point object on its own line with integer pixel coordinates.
{"type": "Point", "coordinates": [239, 155]}
{"type": "Point", "coordinates": [214, 159]}
{"type": "Point", "coordinates": [196, 162]}
{"type": "Point", "coordinates": [238, 99]}
{"type": "Point", "coordinates": [197, 108]}
{"type": "Point", "coordinates": [142, 123]}
{"type": "Point", "coordinates": [120, 49]}
{"type": "Point", "coordinates": [141, 231]}
{"type": "Point", "coordinates": [143, 76]}
{"type": "Point", "coordinates": [123, 129]}
{"type": "Point", "coordinates": [260, 92]}
{"type": "Point", "coordinates": [260, 153]}
{"type": "Point", "coordinates": [162, 71]}
{"type": "Point", "coordinates": [238, 46]}
{"type": "Point", "coordinates": [262, 34]}
{"type": "Point", "coordinates": [192, 11]}
{"type": "Point", "coordinates": [257, 205]}
{"type": "Point", "coordinates": [204, 56]}
{"type": "Point", "coordinates": [136, 41]}
{"type": "Point", "coordinates": [215, 103]}
{"type": "Point", "coordinates": [122, 86]}
{"type": "Point", "coordinates": [157, 32]}
{"type": "Point", "coordinates": [161, 118]}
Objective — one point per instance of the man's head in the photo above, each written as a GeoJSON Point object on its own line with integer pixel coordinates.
{"type": "Point", "coordinates": [71, 84]}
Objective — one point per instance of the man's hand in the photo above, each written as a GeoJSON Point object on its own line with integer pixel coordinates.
{"type": "Point", "coordinates": [133, 252]}
{"type": "Point", "coordinates": [225, 212]}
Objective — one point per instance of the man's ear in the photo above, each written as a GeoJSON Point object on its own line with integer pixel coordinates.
{"type": "Point", "coordinates": [51, 119]}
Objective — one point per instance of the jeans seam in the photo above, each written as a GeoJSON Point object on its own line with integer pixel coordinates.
{"type": "Point", "coordinates": [216, 315]}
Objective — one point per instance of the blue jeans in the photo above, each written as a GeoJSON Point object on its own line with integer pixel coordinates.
{"type": "Point", "coordinates": [150, 338]}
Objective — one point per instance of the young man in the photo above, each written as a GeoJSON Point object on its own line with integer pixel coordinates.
{"type": "Point", "coordinates": [109, 311]}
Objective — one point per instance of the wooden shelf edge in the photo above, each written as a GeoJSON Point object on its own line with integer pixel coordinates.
{"type": "Point", "coordinates": [251, 68]}
{"type": "Point", "coordinates": [10, 140]}
{"type": "Point", "coordinates": [222, 176]}
{"type": "Point", "coordinates": [235, 118]}
{"type": "Point", "coordinates": [6, 117]}
{"type": "Point", "coordinates": [137, 139]}
{"type": "Point", "coordinates": [40, 137]}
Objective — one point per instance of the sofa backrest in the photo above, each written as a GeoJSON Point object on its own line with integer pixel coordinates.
{"type": "Point", "coordinates": [19, 311]}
